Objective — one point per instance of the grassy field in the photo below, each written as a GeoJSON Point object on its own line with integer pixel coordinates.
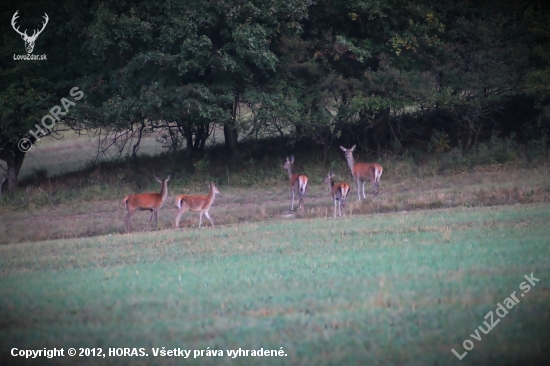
{"type": "Point", "coordinates": [71, 153]}
{"type": "Point", "coordinates": [402, 279]}
{"type": "Point", "coordinates": [392, 288]}
{"type": "Point", "coordinates": [58, 199]}
{"type": "Point", "coordinates": [89, 206]}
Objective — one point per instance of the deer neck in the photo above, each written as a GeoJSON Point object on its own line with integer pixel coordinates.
{"type": "Point", "coordinates": [164, 190]}
{"type": "Point", "coordinates": [210, 196]}
{"type": "Point", "coordinates": [351, 162]}
{"type": "Point", "coordinates": [330, 184]}
{"type": "Point", "coordinates": [290, 172]}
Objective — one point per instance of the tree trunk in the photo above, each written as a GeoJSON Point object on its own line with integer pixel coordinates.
{"type": "Point", "coordinates": [14, 162]}
{"type": "Point", "coordinates": [200, 138]}
{"type": "Point", "coordinates": [189, 141]}
{"type": "Point", "coordinates": [135, 148]}
{"type": "Point", "coordinates": [230, 133]}
{"type": "Point", "coordinates": [230, 130]}
{"type": "Point", "coordinates": [203, 142]}
{"type": "Point", "coordinates": [380, 130]}
{"type": "Point", "coordinates": [470, 136]}
{"type": "Point", "coordinates": [2, 184]}
{"type": "Point", "coordinates": [204, 135]}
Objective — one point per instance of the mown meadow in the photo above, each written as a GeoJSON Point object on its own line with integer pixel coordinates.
{"type": "Point", "coordinates": [390, 288]}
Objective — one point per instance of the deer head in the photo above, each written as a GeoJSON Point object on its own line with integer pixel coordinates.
{"type": "Point", "coordinates": [214, 188]}
{"type": "Point", "coordinates": [288, 162]}
{"type": "Point", "coordinates": [348, 152]}
{"type": "Point", "coordinates": [329, 177]}
{"type": "Point", "coordinates": [29, 41]}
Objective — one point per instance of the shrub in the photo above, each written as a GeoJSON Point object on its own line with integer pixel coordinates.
{"type": "Point", "coordinates": [439, 142]}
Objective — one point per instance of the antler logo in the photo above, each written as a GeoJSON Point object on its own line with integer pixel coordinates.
{"type": "Point", "coordinates": [29, 41]}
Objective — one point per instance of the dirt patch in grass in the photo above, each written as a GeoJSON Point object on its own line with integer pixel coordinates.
{"type": "Point", "coordinates": [237, 205]}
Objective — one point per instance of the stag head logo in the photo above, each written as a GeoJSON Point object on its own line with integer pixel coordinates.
{"type": "Point", "coordinates": [29, 40]}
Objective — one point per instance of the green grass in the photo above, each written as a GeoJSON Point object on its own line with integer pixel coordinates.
{"type": "Point", "coordinates": [396, 288]}
{"type": "Point", "coordinates": [71, 153]}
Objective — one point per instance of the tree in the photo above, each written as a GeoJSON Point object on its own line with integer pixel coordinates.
{"type": "Point", "coordinates": [183, 66]}
{"type": "Point", "coordinates": [536, 19]}
{"type": "Point", "coordinates": [29, 89]}
{"type": "Point", "coordinates": [482, 61]}
{"type": "Point", "coordinates": [353, 62]}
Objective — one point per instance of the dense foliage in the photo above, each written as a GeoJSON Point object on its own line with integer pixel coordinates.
{"type": "Point", "coordinates": [386, 75]}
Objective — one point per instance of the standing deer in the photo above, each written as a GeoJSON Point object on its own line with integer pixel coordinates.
{"type": "Point", "coordinates": [146, 201]}
{"type": "Point", "coordinates": [196, 204]}
{"type": "Point", "coordinates": [298, 182]}
{"type": "Point", "coordinates": [339, 192]}
{"type": "Point", "coordinates": [363, 171]}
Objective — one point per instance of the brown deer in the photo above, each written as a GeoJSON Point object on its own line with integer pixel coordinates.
{"type": "Point", "coordinates": [146, 201]}
{"type": "Point", "coordinates": [363, 171]}
{"type": "Point", "coordinates": [298, 182]}
{"type": "Point", "coordinates": [196, 204]}
{"type": "Point", "coordinates": [339, 192]}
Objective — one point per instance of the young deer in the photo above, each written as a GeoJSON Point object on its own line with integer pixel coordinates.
{"type": "Point", "coordinates": [339, 192]}
{"type": "Point", "coordinates": [146, 201]}
{"type": "Point", "coordinates": [298, 182]}
{"type": "Point", "coordinates": [363, 171]}
{"type": "Point", "coordinates": [196, 204]}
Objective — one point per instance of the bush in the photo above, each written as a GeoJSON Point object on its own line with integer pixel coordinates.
{"type": "Point", "coordinates": [439, 142]}
{"type": "Point", "coordinates": [537, 150]}
{"type": "Point", "coordinates": [496, 151]}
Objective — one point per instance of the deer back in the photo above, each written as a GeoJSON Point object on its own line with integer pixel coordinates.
{"type": "Point", "coordinates": [340, 190]}
{"type": "Point", "coordinates": [145, 200]}
{"type": "Point", "coordinates": [295, 180]}
{"type": "Point", "coordinates": [198, 203]}
{"type": "Point", "coordinates": [195, 203]}
{"type": "Point", "coordinates": [343, 189]}
{"type": "Point", "coordinates": [364, 171]}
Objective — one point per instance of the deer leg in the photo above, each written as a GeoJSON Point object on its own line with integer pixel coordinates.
{"type": "Point", "coordinates": [344, 205]}
{"type": "Point", "coordinates": [334, 200]}
{"type": "Point", "coordinates": [376, 187]}
{"type": "Point", "coordinates": [150, 218]}
{"type": "Point", "coordinates": [200, 219]}
{"type": "Point", "coordinates": [303, 196]}
{"type": "Point", "coordinates": [292, 205]}
{"type": "Point", "coordinates": [181, 211]}
{"type": "Point", "coordinates": [208, 217]}
{"type": "Point", "coordinates": [339, 207]}
{"type": "Point", "coordinates": [127, 220]}
{"type": "Point", "coordinates": [364, 197]}
{"type": "Point", "coordinates": [358, 187]}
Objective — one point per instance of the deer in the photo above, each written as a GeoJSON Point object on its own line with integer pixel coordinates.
{"type": "Point", "coordinates": [362, 172]}
{"type": "Point", "coordinates": [29, 41]}
{"type": "Point", "coordinates": [199, 204]}
{"type": "Point", "coordinates": [339, 192]}
{"type": "Point", "coordinates": [298, 182]}
{"type": "Point", "coordinates": [146, 201]}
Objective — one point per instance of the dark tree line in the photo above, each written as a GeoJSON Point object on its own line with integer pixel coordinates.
{"type": "Point", "coordinates": [381, 74]}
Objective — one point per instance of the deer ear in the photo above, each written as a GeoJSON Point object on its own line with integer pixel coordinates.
{"type": "Point", "coordinates": [168, 177]}
{"type": "Point", "coordinates": [352, 148]}
{"type": "Point", "coordinates": [343, 148]}
{"type": "Point", "coordinates": [158, 180]}
{"type": "Point", "coordinates": [292, 159]}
